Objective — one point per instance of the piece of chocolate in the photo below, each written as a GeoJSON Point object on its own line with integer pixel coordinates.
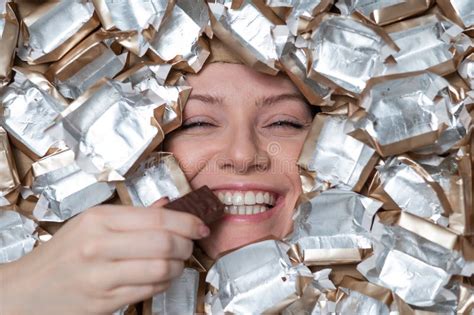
{"type": "Point", "coordinates": [202, 203]}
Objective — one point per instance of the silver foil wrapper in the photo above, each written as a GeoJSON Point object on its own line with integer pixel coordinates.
{"type": "Point", "coordinates": [365, 7]}
{"type": "Point", "coordinates": [357, 303]}
{"type": "Point", "coordinates": [409, 113]}
{"type": "Point", "coordinates": [9, 179]}
{"type": "Point", "coordinates": [347, 52]}
{"type": "Point", "coordinates": [442, 41]}
{"type": "Point", "coordinates": [411, 188]}
{"type": "Point", "coordinates": [135, 16]}
{"type": "Point", "coordinates": [248, 32]}
{"type": "Point", "coordinates": [157, 177]}
{"type": "Point", "coordinates": [460, 11]}
{"type": "Point", "coordinates": [337, 159]}
{"type": "Point", "coordinates": [256, 278]}
{"type": "Point", "coordinates": [466, 70]}
{"type": "Point", "coordinates": [178, 39]}
{"type": "Point", "coordinates": [51, 26]}
{"type": "Point", "coordinates": [64, 189]}
{"type": "Point", "coordinates": [333, 227]}
{"type": "Point", "coordinates": [171, 97]}
{"type": "Point", "coordinates": [414, 268]}
{"type": "Point", "coordinates": [110, 129]}
{"type": "Point", "coordinates": [16, 236]}
{"type": "Point", "coordinates": [180, 297]}
{"type": "Point", "coordinates": [28, 111]}
{"type": "Point", "coordinates": [9, 29]}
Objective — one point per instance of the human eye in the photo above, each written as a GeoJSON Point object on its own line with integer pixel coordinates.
{"type": "Point", "coordinates": [197, 124]}
{"type": "Point", "coordinates": [286, 123]}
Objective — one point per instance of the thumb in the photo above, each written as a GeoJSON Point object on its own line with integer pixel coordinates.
{"type": "Point", "coordinates": [160, 202]}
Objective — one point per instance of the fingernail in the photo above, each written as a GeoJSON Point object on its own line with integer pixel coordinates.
{"type": "Point", "coordinates": [204, 230]}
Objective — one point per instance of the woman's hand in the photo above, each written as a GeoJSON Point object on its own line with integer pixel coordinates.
{"type": "Point", "coordinates": [103, 259]}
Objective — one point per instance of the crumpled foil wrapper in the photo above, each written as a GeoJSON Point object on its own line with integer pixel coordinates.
{"type": "Point", "coordinates": [384, 12]}
{"type": "Point", "coordinates": [138, 17]}
{"type": "Point", "coordinates": [178, 40]}
{"type": "Point", "coordinates": [9, 30]}
{"type": "Point", "coordinates": [261, 269]}
{"type": "Point", "coordinates": [28, 110]}
{"type": "Point", "coordinates": [466, 70]}
{"type": "Point", "coordinates": [180, 297]}
{"type": "Point", "coordinates": [358, 303]}
{"type": "Point", "coordinates": [9, 179]}
{"type": "Point", "coordinates": [86, 64]}
{"type": "Point", "coordinates": [247, 31]}
{"type": "Point", "coordinates": [333, 227]}
{"type": "Point", "coordinates": [16, 236]}
{"type": "Point", "coordinates": [50, 30]}
{"type": "Point", "coordinates": [460, 11]}
{"type": "Point", "coordinates": [411, 113]}
{"type": "Point", "coordinates": [64, 189]}
{"type": "Point", "coordinates": [337, 159]}
{"type": "Point", "coordinates": [111, 129]}
{"type": "Point", "coordinates": [157, 177]}
{"type": "Point", "coordinates": [414, 268]}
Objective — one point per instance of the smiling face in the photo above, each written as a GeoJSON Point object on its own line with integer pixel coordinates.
{"type": "Point", "coordinates": [241, 135]}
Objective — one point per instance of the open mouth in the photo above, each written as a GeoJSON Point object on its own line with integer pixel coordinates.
{"type": "Point", "coordinates": [247, 202]}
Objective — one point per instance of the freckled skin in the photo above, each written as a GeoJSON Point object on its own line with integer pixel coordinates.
{"type": "Point", "coordinates": [237, 142]}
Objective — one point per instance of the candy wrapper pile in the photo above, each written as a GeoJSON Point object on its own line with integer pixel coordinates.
{"type": "Point", "coordinates": [89, 90]}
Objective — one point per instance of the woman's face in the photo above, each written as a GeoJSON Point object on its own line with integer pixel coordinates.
{"type": "Point", "coordinates": [241, 135]}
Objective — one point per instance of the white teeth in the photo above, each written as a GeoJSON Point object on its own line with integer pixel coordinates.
{"type": "Point", "coordinates": [232, 209]}
{"type": "Point", "coordinates": [228, 198]}
{"type": "Point", "coordinates": [238, 199]}
{"type": "Point", "coordinates": [249, 198]}
{"type": "Point", "coordinates": [266, 198]}
{"type": "Point", "coordinates": [272, 200]}
{"type": "Point", "coordinates": [241, 209]}
{"type": "Point", "coordinates": [259, 197]}
{"type": "Point", "coordinates": [221, 197]}
{"type": "Point", "coordinates": [245, 210]}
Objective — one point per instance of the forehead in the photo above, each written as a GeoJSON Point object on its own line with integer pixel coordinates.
{"type": "Point", "coordinates": [224, 78]}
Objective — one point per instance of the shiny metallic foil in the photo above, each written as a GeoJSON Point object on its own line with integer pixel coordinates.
{"type": "Point", "coordinates": [384, 12]}
{"type": "Point", "coordinates": [65, 190]}
{"type": "Point", "coordinates": [460, 11]}
{"type": "Point", "coordinates": [180, 297]}
{"type": "Point", "coordinates": [16, 236]}
{"type": "Point", "coordinates": [110, 129]}
{"type": "Point", "coordinates": [407, 113]}
{"type": "Point", "coordinates": [333, 227]}
{"type": "Point", "coordinates": [355, 303]}
{"type": "Point", "coordinates": [157, 177]}
{"type": "Point", "coordinates": [177, 41]}
{"type": "Point", "coordinates": [89, 62]}
{"type": "Point", "coordinates": [466, 70]}
{"type": "Point", "coordinates": [9, 180]}
{"type": "Point", "coordinates": [442, 42]}
{"type": "Point", "coordinates": [244, 276]}
{"type": "Point", "coordinates": [337, 159]}
{"type": "Point", "coordinates": [52, 29]}
{"type": "Point", "coordinates": [414, 268]}
{"type": "Point", "coordinates": [409, 186]}
{"type": "Point", "coordinates": [28, 111]}
{"type": "Point", "coordinates": [248, 32]}
{"type": "Point", "coordinates": [172, 97]}
{"type": "Point", "coordinates": [347, 52]}
{"type": "Point", "coordinates": [137, 17]}
{"type": "Point", "coordinates": [9, 29]}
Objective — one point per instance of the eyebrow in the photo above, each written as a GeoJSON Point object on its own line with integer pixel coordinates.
{"type": "Point", "coordinates": [260, 102]}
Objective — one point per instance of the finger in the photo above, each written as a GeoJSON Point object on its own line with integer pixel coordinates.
{"type": "Point", "coordinates": [160, 202]}
{"type": "Point", "coordinates": [127, 295]}
{"type": "Point", "coordinates": [130, 218]}
{"type": "Point", "coordinates": [145, 244]}
{"type": "Point", "coordinates": [140, 272]}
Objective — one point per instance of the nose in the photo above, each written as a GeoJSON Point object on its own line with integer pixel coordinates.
{"type": "Point", "coordinates": [243, 152]}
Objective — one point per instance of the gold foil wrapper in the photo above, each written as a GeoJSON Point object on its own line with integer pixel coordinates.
{"type": "Point", "coordinates": [247, 32]}
{"type": "Point", "coordinates": [410, 113]}
{"type": "Point", "coordinates": [335, 158]}
{"type": "Point", "coordinates": [17, 236]}
{"type": "Point", "coordinates": [9, 30]}
{"type": "Point", "coordinates": [110, 128]}
{"type": "Point", "coordinates": [179, 39]}
{"type": "Point", "coordinates": [332, 228]}
{"type": "Point", "coordinates": [28, 109]}
{"type": "Point", "coordinates": [140, 18]}
{"type": "Point", "coordinates": [443, 43]}
{"type": "Point", "coordinates": [157, 177]}
{"type": "Point", "coordinates": [64, 189]}
{"type": "Point", "coordinates": [384, 12]}
{"type": "Point", "coordinates": [86, 64]}
{"type": "Point", "coordinates": [53, 28]}
{"type": "Point", "coordinates": [9, 179]}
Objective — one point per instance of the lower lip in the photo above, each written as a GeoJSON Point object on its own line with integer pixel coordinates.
{"type": "Point", "coordinates": [262, 216]}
